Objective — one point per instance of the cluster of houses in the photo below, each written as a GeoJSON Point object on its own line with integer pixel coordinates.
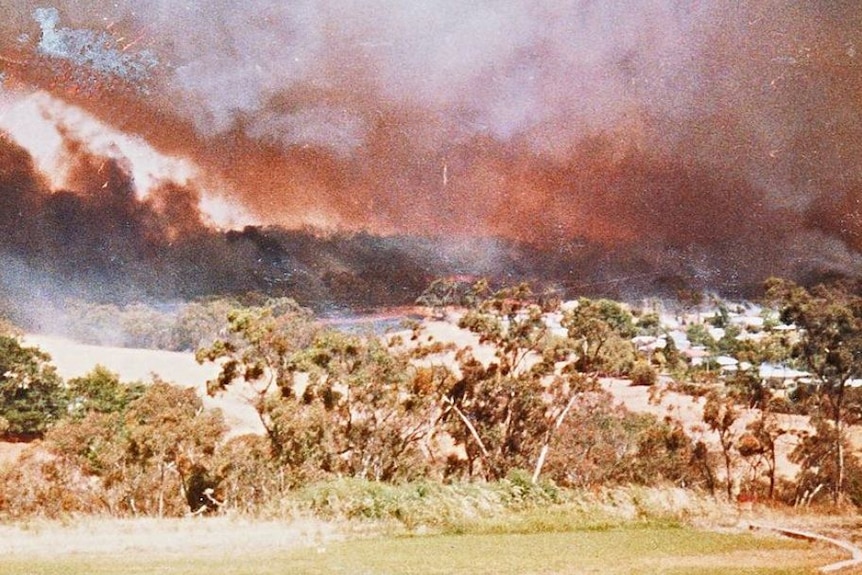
{"type": "Point", "coordinates": [744, 322]}
{"type": "Point", "coordinates": [740, 321]}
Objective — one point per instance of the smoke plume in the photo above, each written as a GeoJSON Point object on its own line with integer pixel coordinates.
{"type": "Point", "coordinates": [628, 144]}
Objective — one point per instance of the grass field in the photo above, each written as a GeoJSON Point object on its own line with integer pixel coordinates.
{"type": "Point", "coordinates": [622, 550]}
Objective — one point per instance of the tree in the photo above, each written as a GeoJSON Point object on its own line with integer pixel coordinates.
{"type": "Point", "coordinates": [698, 334]}
{"type": "Point", "coordinates": [168, 433]}
{"type": "Point", "coordinates": [758, 444]}
{"type": "Point", "coordinates": [259, 348]}
{"type": "Point", "coordinates": [829, 319]}
{"type": "Point", "coordinates": [665, 453]}
{"type": "Point", "coordinates": [95, 444]}
{"type": "Point", "coordinates": [152, 455]}
{"type": "Point", "coordinates": [447, 292]}
{"type": "Point", "coordinates": [600, 332]}
{"type": "Point", "coordinates": [597, 443]}
{"type": "Point", "coordinates": [505, 413]}
{"type": "Point", "coordinates": [376, 405]}
{"type": "Point", "coordinates": [32, 397]}
{"type": "Point", "coordinates": [198, 323]}
{"type": "Point", "coordinates": [330, 402]}
{"type": "Point", "coordinates": [643, 373]}
{"type": "Point", "coordinates": [719, 414]}
{"type": "Point", "coordinates": [815, 455]}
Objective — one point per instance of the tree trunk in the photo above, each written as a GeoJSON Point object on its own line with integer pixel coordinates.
{"type": "Point", "coordinates": [772, 465]}
{"type": "Point", "coordinates": [540, 462]}
{"type": "Point", "coordinates": [839, 439]}
{"type": "Point", "coordinates": [546, 446]}
{"type": "Point", "coordinates": [728, 469]}
{"type": "Point", "coordinates": [161, 490]}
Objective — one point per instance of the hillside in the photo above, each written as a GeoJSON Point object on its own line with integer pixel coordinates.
{"type": "Point", "coordinates": [74, 359]}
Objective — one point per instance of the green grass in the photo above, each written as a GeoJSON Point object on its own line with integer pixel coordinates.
{"type": "Point", "coordinates": [647, 549]}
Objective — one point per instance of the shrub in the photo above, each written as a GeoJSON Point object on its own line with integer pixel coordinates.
{"type": "Point", "coordinates": [595, 443]}
{"type": "Point", "coordinates": [32, 397]}
{"type": "Point", "coordinates": [643, 373]}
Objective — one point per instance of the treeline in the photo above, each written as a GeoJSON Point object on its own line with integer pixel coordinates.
{"type": "Point", "coordinates": [172, 327]}
{"type": "Point", "coordinates": [524, 403]}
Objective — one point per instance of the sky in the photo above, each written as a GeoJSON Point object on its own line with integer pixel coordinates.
{"type": "Point", "coordinates": [713, 142]}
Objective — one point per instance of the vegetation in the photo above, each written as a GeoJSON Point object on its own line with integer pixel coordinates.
{"type": "Point", "coordinates": [349, 419]}
{"type": "Point", "coordinates": [32, 397]}
{"type": "Point", "coordinates": [180, 327]}
{"type": "Point", "coordinates": [830, 346]}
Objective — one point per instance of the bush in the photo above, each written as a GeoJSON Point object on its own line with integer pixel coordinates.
{"type": "Point", "coordinates": [32, 397]}
{"type": "Point", "coordinates": [101, 391]}
{"type": "Point", "coordinates": [643, 373]}
{"type": "Point", "coordinates": [595, 444]}
{"type": "Point", "coordinates": [40, 486]}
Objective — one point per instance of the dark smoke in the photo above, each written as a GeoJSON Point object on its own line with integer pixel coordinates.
{"type": "Point", "coordinates": [99, 241]}
{"type": "Point", "coordinates": [628, 147]}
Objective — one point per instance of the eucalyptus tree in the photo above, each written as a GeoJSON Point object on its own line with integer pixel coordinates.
{"type": "Point", "coordinates": [829, 320]}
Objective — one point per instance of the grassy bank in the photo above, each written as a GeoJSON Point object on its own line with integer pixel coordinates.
{"type": "Point", "coordinates": [355, 526]}
{"type": "Point", "coordinates": [513, 505]}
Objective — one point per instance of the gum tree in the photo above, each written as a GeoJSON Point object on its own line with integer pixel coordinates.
{"type": "Point", "coordinates": [259, 348]}
{"type": "Point", "coordinates": [508, 412]}
{"type": "Point", "coordinates": [505, 413]}
{"type": "Point", "coordinates": [829, 319]}
{"type": "Point", "coordinates": [331, 402]}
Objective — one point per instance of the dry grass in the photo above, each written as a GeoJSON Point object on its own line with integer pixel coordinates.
{"type": "Point", "coordinates": [194, 536]}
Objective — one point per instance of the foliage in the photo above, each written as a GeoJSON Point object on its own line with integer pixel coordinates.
{"type": "Point", "coordinates": [259, 347]}
{"type": "Point", "coordinates": [815, 454]}
{"type": "Point", "coordinates": [719, 415]}
{"type": "Point", "coordinates": [153, 457]}
{"type": "Point", "coordinates": [505, 413]}
{"type": "Point", "coordinates": [698, 335]}
{"type": "Point", "coordinates": [596, 444]}
{"type": "Point", "coordinates": [829, 318]}
{"type": "Point", "coordinates": [136, 325]}
{"type": "Point", "coordinates": [248, 479]}
{"type": "Point", "coordinates": [722, 316]}
{"type": "Point", "coordinates": [377, 407]}
{"type": "Point", "coordinates": [331, 403]}
{"type": "Point", "coordinates": [180, 327]}
{"type": "Point", "coordinates": [197, 324]}
{"type": "Point", "coordinates": [37, 486]}
{"type": "Point", "coordinates": [649, 324]}
{"type": "Point", "coordinates": [601, 332]}
{"type": "Point", "coordinates": [95, 445]}
{"type": "Point", "coordinates": [729, 343]}
{"type": "Point", "coordinates": [32, 397]}
{"type": "Point", "coordinates": [100, 391]}
{"type": "Point", "coordinates": [350, 420]}
{"type": "Point", "coordinates": [758, 447]}
{"type": "Point", "coordinates": [169, 433]}
{"type": "Point", "coordinates": [448, 292]}
{"type": "Point", "coordinates": [746, 387]}
{"type": "Point", "coordinates": [643, 373]}
{"type": "Point", "coordinates": [665, 453]}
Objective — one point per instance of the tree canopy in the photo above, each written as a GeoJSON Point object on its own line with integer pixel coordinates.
{"type": "Point", "coordinates": [829, 318]}
{"type": "Point", "coordinates": [32, 396]}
